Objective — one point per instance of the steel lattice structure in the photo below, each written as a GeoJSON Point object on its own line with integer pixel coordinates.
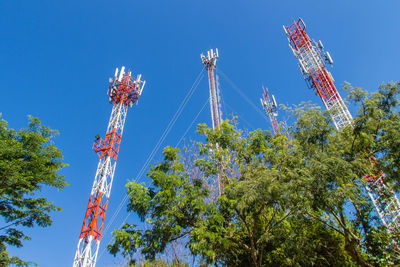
{"type": "Point", "coordinates": [123, 92]}
{"type": "Point", "coordinates": [312, 61]}
{"type": "Point", "coordinates": [209, 63]}
{"type": "Point", "coordinates": [271, 108]}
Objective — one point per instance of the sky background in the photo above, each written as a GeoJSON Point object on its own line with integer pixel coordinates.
{"type": "Point", "coordinates": [56, 58]}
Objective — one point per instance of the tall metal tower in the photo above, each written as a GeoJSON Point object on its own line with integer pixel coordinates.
{"type": "Point", "coordinates": [209, 62]}
{"type": "Point", "coordinates": [312, 59]}
{"type": "Point", "coordinates": [312, 63]}
{"type": "Point", "coordinates": [271, 108]}
{"type": "Point", "coordinates": [123, 92]}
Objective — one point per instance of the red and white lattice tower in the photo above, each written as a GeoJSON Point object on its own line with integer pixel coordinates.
{"type": "Point", "coordinates": [209, 62]}
{"type": "Point", "coordinates": [312, 62]}
{"type": "Point", "coordinates": [123, 92]}
{"type": "Point", "coordinates": [271, 108]}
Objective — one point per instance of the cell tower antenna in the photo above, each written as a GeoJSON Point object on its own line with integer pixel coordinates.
{"type": "Point", "coordinates": [124, 91]}
{"type": "Point", "coordinates": [312, 61]}
{"type": "Point", "coordinates": [209, 63]}
{"type": "Point", "coordinates": [271, 108]}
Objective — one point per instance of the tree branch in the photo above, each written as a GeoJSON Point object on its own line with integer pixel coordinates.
{"type": "Point", "coordinates": [179, 236]}
{"type": "Point", "coordinates": [239, 243]}
{"type": "Point", "coordinates": [11, 224]}
{"type": "Point", "coordinates": [327, 224]}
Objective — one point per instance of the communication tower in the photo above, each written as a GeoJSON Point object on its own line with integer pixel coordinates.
{"type": "Point", "coordinates": [123, 92]}
{"type": "Point", "coordinates": [271, 108]}
{"type": "Point", "coordinates": [209, 63]}
{"type": "Point", "coordinates": [312, 60]}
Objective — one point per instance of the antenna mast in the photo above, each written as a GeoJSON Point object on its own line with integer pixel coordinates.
{"type": "Point", "coordinates": [271, 108]}
{"type": "Point", "coordinates": [312, 61]}
{"type": "Point", "coordinates": [209, 63]}
{"type": "Point", "coordinates": [123, 92]}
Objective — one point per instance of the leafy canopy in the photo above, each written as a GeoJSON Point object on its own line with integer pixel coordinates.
{"type": "Point", "coordinates": [29, 160]}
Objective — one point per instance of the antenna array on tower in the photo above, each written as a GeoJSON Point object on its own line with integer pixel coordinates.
{"type": "Point", "coordinates": [271, 108]}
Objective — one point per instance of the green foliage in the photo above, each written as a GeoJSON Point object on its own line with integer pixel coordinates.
{"type": "Point", "coordinates": [158, 263]}
{"type": "Point", "coordinates": [288, 200]}
{"type": "Point", "coordinates": [376, 126]}
{"type": "Point", "coordinates": [28, 161]}
{"type": "Point", "coordinates": [175, 202]}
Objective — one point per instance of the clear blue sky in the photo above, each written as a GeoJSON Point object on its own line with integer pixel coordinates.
{"type": "Point", "coordinates": [56, 57]}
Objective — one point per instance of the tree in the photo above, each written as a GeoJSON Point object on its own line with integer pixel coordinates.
{"type": "Point", "coordinates": [28, 161]}
{"type": "Point", "coordinates": [287, 200]}
{"type": "Point", "coordinates": [250, 224]}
